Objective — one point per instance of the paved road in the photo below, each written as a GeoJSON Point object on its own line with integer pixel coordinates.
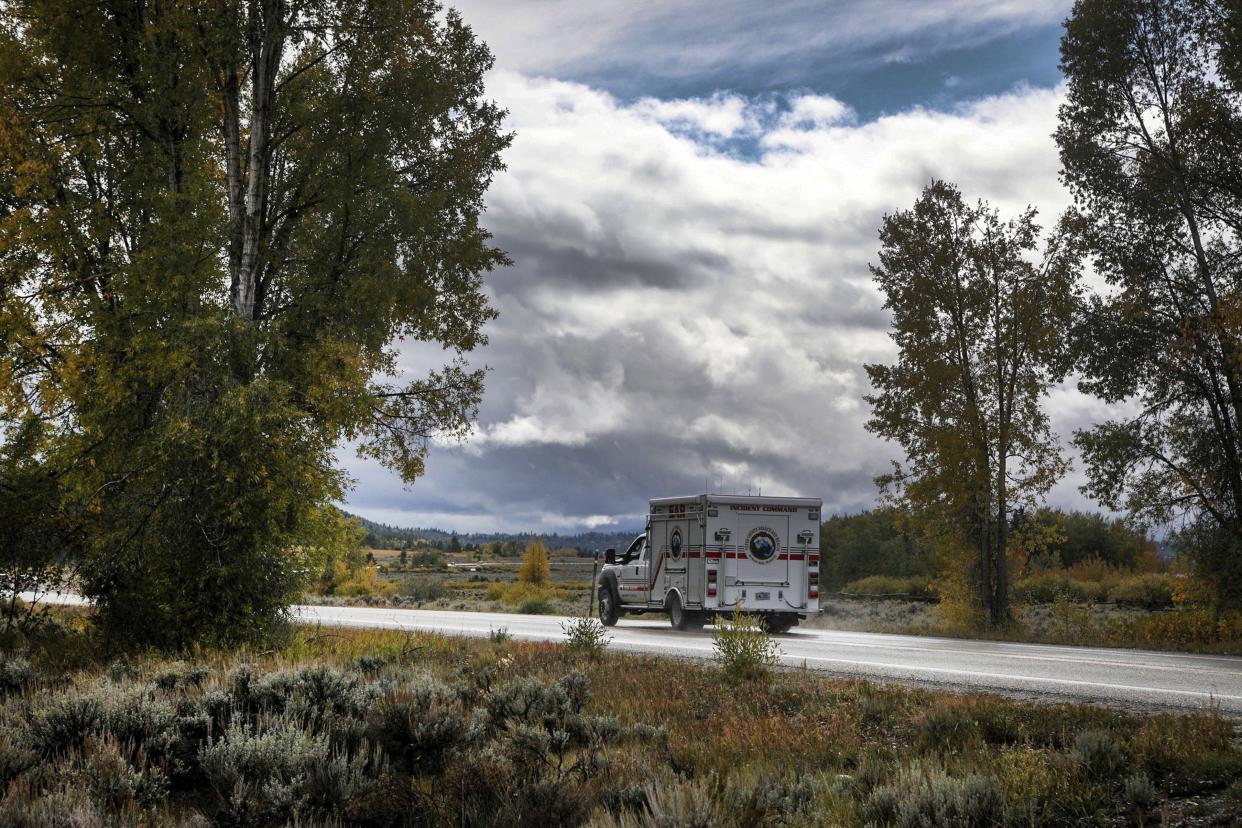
{"type": "Point", "coordinates": [1133, 678]}
{"type": "Point", "coordinates": [1126, 677]}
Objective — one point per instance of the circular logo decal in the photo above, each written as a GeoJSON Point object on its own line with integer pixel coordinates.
{"type": "Point", "coordinates": [762, 545]}
{"type": "Point", "coordinates": [674, 544]}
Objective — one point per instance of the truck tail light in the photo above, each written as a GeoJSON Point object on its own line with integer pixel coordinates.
{"type": "Point", "coordinates": [711, 590]}
{"type": "Point", "coordinates": [813, 592]}
{"type": "Point", "coordinates": [711, 576]}
{"type": "Point", "coordinates": [711, 583]}
{"type": "Point", "coordinates": [812, 584]}
{"type": "Point", "coordinates": [813, 578]}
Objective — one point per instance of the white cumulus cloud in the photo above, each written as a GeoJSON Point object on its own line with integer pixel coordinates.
{"type": "Point", "coordinates": [683, 310]}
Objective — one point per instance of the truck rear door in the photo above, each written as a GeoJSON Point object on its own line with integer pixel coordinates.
{"type": "Point", "coordinates": [762, 541]}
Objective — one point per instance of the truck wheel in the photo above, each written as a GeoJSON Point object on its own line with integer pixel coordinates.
{"type": "Point", "coordinates": [781, 623]}
{"type": "Point", "coordinates": [608, 613]}
{"type": "Point", "coordinates": [676, 615]}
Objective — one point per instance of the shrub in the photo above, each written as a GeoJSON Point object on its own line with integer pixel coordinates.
{"type": "Point", "coordinates": [500, 635]}
{"type": "Point", "coordinates": [1097, 571]}
{"type": "Point", "coordinates": [1149, 560]}
{"type": "Point", "coordinates": [585, 636]}
{"type": "Point", "coordinates": [64, 722]}
{"type": "Point", "coordinates": [424, 589]}
{"type": "Point", "coordinates": [1071, 623]}
{"type": "Point", "coordinates": [919, 588]}
{"type": "Point", "coordinates": [1097, 752]}
{"type": "Point", "coordinates": [536, 606]}
{"type": "Point", "coordinates": [945, 728]}
{"type": "Point", "coordinates": [179, 674]}
{"type": "Point", "coordinates": [430, 558]}
{"type": "Point", "coordinates": [371, 663]}
{"type": "Point", "coordinates": [535, 568]}
{"type": "Point", "coordinates": [515, 592]}
{"type": "Point", "coordinates": [137, 717]}
{"type": "Point", "coordinates": [1187, 627]}
{"type": "Point", "coordinates": [260, 775]}
{"type": "Point", "coordinates": [116, 784]}
{"type": "Point", "coordinates": [364, 582]}
{"type": "Point", "coordinates": [689, 804]}
{"type": "Point", "coordinates": [421, 725]}
{"type": "Point", "coordinates": [925, 797]}
{"type": "Point", "coordinates": [15, 674]}
{"type": "Point", "coordinates": [15, 757]}
{"type": "Point", "coordinates": [1050, 586]}
{"type": "Point", "coordinates": [1150, 591]}
{"type": "Point", "coordinates": [743, 647]}
{"type": "Point", "coordinates": [1140, 794]}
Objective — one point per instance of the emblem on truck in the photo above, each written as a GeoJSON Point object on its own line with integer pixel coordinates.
{"type": "Point", "coordinates": [674, 544]}
{"type": "Point", "coordinates": [762, 544]}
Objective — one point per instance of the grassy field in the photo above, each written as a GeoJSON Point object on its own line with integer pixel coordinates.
{"type": "Point", "coordinates": [382, 728]}
{"type": "Point", "coordinates": [490, 586]}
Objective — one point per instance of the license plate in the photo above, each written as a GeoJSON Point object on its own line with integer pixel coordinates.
{"type": "Point", "coordinates": [763, 596]}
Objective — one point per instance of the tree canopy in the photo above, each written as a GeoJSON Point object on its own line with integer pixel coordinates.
{"type": "Point", "coordinates": [1150, 136]}
{"type": "Point", "coordinates": [218, 220]}
{"type": "Point", "coordinates": [980, 332]}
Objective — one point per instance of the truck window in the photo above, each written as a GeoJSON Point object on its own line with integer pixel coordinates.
{"type": "Point", "coordinates": [635, 552]}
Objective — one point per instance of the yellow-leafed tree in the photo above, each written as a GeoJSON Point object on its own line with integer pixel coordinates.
{"type": "Point", "coordinates": [535, 567]}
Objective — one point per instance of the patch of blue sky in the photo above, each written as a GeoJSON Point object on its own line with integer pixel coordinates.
{"type": "Point", "coordinates": [887, 78]}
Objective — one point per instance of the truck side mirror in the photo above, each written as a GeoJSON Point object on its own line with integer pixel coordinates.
{"type": "Point", "coordinates": [610, 556]}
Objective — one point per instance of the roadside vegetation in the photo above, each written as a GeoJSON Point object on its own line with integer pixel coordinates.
{"type": "Point", "coordinates": [388, 728]}
{"type": "Point", "coordinates": [1077, 578]}
{"type": "Point", "coordinates": [539, 581]}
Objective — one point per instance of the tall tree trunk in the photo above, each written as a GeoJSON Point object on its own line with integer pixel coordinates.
{"type": "Point", "coordinates": [1000, 601]}
{"type": "Point", "coordinates": [985, 565]}
{"type": "Point", "coordinates": [267, 42]}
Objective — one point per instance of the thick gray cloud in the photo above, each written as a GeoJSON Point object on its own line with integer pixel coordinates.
{"type": "Point", "coordinates": [679, 312]}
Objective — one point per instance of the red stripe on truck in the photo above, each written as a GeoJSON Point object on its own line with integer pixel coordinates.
{"type": "Point", "coordinates": [659, 564]}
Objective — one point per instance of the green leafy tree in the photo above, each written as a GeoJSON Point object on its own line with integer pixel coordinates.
{"type": "Point", "coordinates": [1092, 535]}
{"type": "Point", "coordinates": [980, 333]}
{"type": "Point", "coordinates": [1150, 136]}
{"type": "Point", "coordinates": [217, 220]}
{"type": "Point", "coordinates": [39, 542]}
{"type": "Point", "coordinates": [874, 542]}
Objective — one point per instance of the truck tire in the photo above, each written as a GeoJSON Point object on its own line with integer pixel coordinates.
{"type": "Point", "coordinates": [677, 616]}
{"type": "Point", "coordinates": [778, 624]}
{"type": "Point", "coordinates": [608, 610]}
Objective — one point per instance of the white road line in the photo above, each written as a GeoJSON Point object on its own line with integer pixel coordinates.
{"type": "Point", "coordinates": [1029, 678]}
{"type": "Point", "coordinates": [1138, 665]}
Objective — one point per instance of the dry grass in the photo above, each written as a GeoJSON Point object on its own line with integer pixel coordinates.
{"type": "Point", "coordinates": [399, 728]}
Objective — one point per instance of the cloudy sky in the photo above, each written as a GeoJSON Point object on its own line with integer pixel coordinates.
{"type": "Point", "coordinates": [691, 202]}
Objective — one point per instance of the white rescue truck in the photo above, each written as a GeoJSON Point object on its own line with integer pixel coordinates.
{"type": "Point", "coordinates": [708, 554]}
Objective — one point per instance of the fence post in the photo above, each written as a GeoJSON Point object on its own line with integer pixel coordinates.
{"type": "Point", "coordinates": [594, 565]}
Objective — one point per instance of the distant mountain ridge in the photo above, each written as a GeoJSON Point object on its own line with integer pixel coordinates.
{"type": "Point", "coordinates": [383, 536]}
